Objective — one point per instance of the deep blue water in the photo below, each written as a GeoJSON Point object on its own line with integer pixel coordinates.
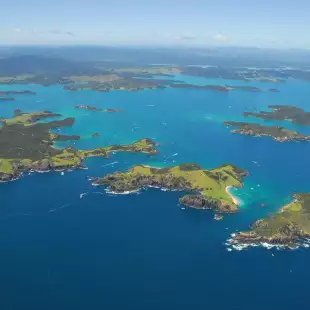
{"type": "Point", "coordinates": [143, 251]}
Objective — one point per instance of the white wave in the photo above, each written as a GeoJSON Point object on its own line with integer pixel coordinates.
{"type": "Point", "coordinates": [122, 193]}
{"type": "Point", "coordinates": [110, 164]}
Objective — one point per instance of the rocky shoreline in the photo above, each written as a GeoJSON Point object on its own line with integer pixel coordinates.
{"type": "Point", "coordinates": [27, 145]}
{"type": "Point", "coordinates": [278, 133]}
{"type": "Point", "coordinates": [288, 229]}
{"type": "Point", "coordinates": [201, 202]}
{"type": "Point", "coordinates": [208, 193]}
{"type": "Point", "coordinates": [87, 107]}
{"type": "Point", "coordinates": [71, 158]}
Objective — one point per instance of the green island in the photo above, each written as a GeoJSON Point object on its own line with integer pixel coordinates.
{"type": "Point", "coordinates": [157, 70]}
{"type": "Point", "coordinates": [210, 187]}
{"type": "Point", "coordinates": [217, 88]}
{"type": "Point", "coordinates": [28, 145]}
{"type": "Point", "coordinates": [289, 228]}
{"type": "Point", "coordinates": [15, 92]}
{"type": "Point", "coordinates": [127, 84]}
{"type": "Point", "coordinates": [278, 133]}
{"type": "Point", "coordinates": [102, 78]}
{"type": "Point", "coordinates": [283, 112]}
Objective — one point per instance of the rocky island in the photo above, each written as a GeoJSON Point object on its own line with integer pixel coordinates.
{"type": "Point", "coordinates": [283, 112]}
{"type": "Point", "coordinates": [26, 145]}
{"type": "Point", "coordinates": [87, 107]}
{"type": "Point", "coordinates": [289, 228]}
{"type": "Point", "coordinates": [210, 187]}
{"type": "Point", "coordinates": [278, 133]}
{"type": "Point", "coordinates": [113, 111]}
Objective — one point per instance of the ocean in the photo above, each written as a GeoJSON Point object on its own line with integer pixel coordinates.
{"type": "Point", "coordinates": [144, 251]}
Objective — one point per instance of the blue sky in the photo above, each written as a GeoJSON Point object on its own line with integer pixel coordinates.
{"type": "Point", "coordinates": [261, 23]}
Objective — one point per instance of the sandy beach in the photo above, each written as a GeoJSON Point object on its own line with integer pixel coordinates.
{"type": "Point", "coordinates": [287, 205]}
{"type": "Point", "coordinates": [236, 200]}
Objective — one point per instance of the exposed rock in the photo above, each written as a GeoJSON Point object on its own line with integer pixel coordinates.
{"type": "Point", "coordinates": [202, 202]}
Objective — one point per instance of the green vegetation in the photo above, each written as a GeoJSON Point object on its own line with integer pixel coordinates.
{"type": "Point", "coordinates": [27, 118]}
{"type": "Point", "coordinates": [142, 146]}
{"type": "Point", "coordinates": [217, 88]}
{"type": "Point", "coordinates": [209, 185]}
{"type": "Point", "coordinates": [129, 84]}
{"type": "Point", "coordinates": [95, 78]}
{"type": "Point", "coordinates": [289, 228]}
{"type": "Point", "coordinates": [27, 145]}
{"type": "Point", "coordinates": [283, 112]}
{"type": "Point", "coordinates": [276, 132]}
{"type": "Point", "coordinates": [157, 70]}
{"type": "Point", "coordinates": [15, 79]}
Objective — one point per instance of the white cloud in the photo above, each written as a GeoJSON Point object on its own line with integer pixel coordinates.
{"type": "Point", "coordinates": [185, 38]}
{"type": "Point", "coordinates": [36, 31]}
{"type": "Point", "coordinates": [220, 37]}
{"type": "Point", "coordinates": [61, 32]}
{"type": "Point", "coordinates": [16, 30]}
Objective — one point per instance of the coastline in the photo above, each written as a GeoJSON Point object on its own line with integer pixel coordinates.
{"type": "Point", "coordinates": [235, 199]}
{"type": "Point", "coordinates": [287, 205]}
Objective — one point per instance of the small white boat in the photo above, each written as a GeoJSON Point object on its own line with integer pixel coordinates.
{"type": "Point", "coordinates": [82, 195]}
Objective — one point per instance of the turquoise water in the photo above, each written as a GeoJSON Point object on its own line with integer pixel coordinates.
{"type": "Point", "coordinates": [143, 251]}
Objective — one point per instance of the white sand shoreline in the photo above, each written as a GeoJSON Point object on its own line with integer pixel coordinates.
{"type": "Point", "coordinates": [235, 199]}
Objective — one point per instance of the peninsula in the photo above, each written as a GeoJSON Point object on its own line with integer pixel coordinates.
{"type": "Point", "coordinates": [283, 112]}
{"type": "Point", "coordinates": [210, 187]}
{"type": "Point", "coordinates": [30, 118]}
{"type": "Point", "coordinates": [26, 145]}
{"type": "Point", "coordinates": [289, 228]}
{"type": "Point", "coordinates": [278, 133]}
